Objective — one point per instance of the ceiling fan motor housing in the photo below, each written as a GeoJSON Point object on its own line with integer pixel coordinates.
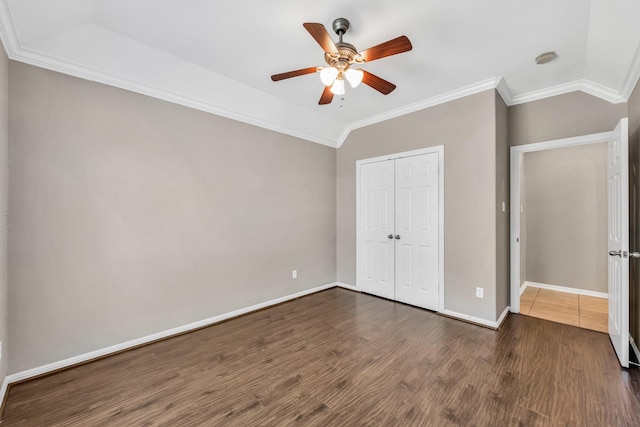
{"type": "Point", "coordinates": [340, 26]}
{"type": "Point", "coordinates": [347, 55]}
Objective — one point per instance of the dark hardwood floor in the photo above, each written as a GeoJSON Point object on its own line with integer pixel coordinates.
{"type": "Point", "coordinates": [339, 358]}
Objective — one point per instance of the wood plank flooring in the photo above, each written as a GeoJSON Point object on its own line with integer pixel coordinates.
{"type": "Point", "coordinates": [340, 358]}
{"type": "Point", "coordinates": [562, 307]}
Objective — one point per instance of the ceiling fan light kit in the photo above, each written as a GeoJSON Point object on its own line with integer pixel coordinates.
{"type": "Point", "coordinates": [341, 56]}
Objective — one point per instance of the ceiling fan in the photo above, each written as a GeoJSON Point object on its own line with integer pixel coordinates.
{"type": "Point", "coordinates": [342, 56]}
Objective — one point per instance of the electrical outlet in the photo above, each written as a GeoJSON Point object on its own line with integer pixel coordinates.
{"type": "Point", "coordinates": [294, 274]}
{"type": "Point", "coordinates": [480, 292]}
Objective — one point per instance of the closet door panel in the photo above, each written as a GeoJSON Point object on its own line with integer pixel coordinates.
{"type": "Point", "coordinates": [416, 228]}
{"type": "Point", "coordinates": [376, 220]}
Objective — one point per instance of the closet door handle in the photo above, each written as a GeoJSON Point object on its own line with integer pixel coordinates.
{"type": "Point", "coordinates": [397, 237]}
{"type": "Point", "coordinates": [390, 236]}
{"type": "Point", "coordinates": [615, 253]}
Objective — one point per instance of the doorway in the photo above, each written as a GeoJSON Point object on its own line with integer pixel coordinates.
{"type": "Point", "coordinates": [563, 235]}
{"type": "Point", "coordinates": [517, 160]}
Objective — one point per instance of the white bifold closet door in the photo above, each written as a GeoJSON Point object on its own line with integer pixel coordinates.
{"type": "Point", "coordinates": [397, 248]}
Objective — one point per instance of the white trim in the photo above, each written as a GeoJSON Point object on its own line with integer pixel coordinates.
{"type": "Point", "coordinates": [523, 287]}
{"type": "Point", "coordinates": [441, 228]}
{"type": "Point", "coordinates": [585, 86]}
{"type": "Point", "coordinates": [602, 92]}
{"type": "Point", "coordinates": [462, 92]}
{"type": "Point", "coordinates": [566, 289]}
{"type": "Point", "coordinates": [347, 286]}
{"type": "Point", "coordinates": [503, 89]}
{"type": "Point", "coordinates": [50, 367]}
{"type": "Point", "coordinates": [503, 316]}
{"type": "Point", "coordinates": [428, 150]}
{"type": "Point", "coordinates": [3, 389]}
{"type": "Point", "coordinates": [514, 237]}
{"type": "Point", "coordinates": [394, 156]}
{"type": "Point", "coordinates": [562, 143]}
{"type": "Point", "coordinates": [635, 349]}
{"type": "Point", "coordinates": [473, 319]}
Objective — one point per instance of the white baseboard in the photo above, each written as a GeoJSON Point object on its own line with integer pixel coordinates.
{"type": "Point", "coordinates": [503, 316]}
{"type": "Point", "coordinates": [347, 286]}
{"type": "Point", "coordinates": [51, 367]}
{"type": "Point", "coordinates": [566, 289]}
{"type": "Point", "coordinates": [472, 319]}
{"type": "Point", "coordinates": [45, 369]}
{"type": "Point", "coordinates": [634, 346]}
{"type": "Point", "coordinates": [523, 287]}
{"type": "Point", "coordinates": [3, 389]}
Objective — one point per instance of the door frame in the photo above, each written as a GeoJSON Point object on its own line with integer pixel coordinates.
{"type": "Point", "coordinates": [435, 149]}
{"type": "Point", "coordinates": [516, 153]}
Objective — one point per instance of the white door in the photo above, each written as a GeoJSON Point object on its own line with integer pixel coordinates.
{"type": "Point", "coordinates": [618, 230]}
{"type": "Point", "coordinates": [398, 254]}
{"type": "Point", "coordinates": [416, 230]}
{"type": "Point", "coordinates": [375, 242]}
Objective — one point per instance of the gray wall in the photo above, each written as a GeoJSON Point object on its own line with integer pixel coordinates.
{"type": "Point", "coordinates": [634, 219]}
{"type": "Point", "coordinates": [467, 129]}
{"type": "Point", "coordinates": [129, 215]}
{"type": "Point", "coordinates": [562, 116]}
{"type": "Point", "coordinates": [502, 218]}
{"type": "Point", "coordinates": [566, 222]}
{"type": "Point", "coordinates": [4, 194]}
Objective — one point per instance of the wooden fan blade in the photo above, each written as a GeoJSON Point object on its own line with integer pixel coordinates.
{"type": "Point", "coordinates": [327, 96]}
{"type": "Point", "coordinates": [392, 47]}
{"type": "Point", "coordinates": [296, 73]}
{"type": "Point", "coordinates": [379, 84]}
{"type": "Point", "coordinates": [320, 34]}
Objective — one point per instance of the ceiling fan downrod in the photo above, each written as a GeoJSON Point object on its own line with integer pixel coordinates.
{"type": "Point", "coordinates": [340, 26]}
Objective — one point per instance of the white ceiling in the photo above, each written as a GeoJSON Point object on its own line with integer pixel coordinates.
{"type": "Point", "coordinates": [218, 55]}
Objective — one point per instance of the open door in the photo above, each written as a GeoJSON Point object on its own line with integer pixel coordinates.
{"type": "Point", "coordinates": [618, 232]}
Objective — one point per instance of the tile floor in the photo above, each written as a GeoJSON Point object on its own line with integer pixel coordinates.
{"type": "Point", "coordinates": [571, 309]}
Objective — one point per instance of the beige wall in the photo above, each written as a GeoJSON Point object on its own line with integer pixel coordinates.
{"type": "Point", "coordinates": [502, 218]}
{"type": "Point", "coordinates": [566, 217]}
{"type": "Point", "coordinates": [129, 215]}
{"type": "Point", "coordinates": [562, 116]}
{"type": "Point", "coordinates": [4, 194]}
{"type": "Point", "coordinates": [467, 129]}
{"type": "Point", "coordinates": [634, 219]}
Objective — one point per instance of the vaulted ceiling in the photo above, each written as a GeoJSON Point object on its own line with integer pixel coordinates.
{"type": "Point", "coordinates": [218, 55]}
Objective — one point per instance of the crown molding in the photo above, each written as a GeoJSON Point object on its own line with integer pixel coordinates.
{"type": "Point", "coordinates": [602, 92]}
{"type": "Point", "coordinates": [583, 85]}
{"type": "Point", "coordinates": [472, 89]}
{"type": "Point", "coordinates": [503, 89]}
